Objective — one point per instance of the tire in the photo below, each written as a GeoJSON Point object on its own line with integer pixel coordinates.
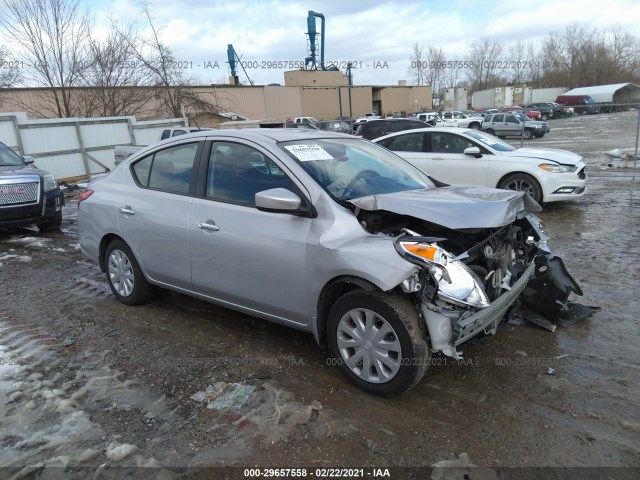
{"type": "Point", "coordinates": [53, 223]}
{"type": "Point", "coordinates": [544, 116]}
{"type": "Point", "coordinates": [397, 361]}
{"type": "Point", "coordinates": [474, 125]}
{"type": "Point", "coordinates": [527, 134]}
{"type": "Point", "coordinates": [490, 131]}
{"type": "Point", "coordinates": [523, 182]}
{"type": "Point", "coordinates": [124, 275]}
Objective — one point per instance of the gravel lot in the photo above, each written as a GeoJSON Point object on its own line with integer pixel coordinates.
{"type": "Point", "coordinates": [89, 383]}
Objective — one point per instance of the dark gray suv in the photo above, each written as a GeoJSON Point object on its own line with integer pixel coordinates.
{"type": "Point", "coordinates": [27, 194]}
{"type": "Point", "coordinates": [378, 128]}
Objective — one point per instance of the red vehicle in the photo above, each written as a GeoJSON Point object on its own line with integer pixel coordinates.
{"type": "Point", "coordinates": [532, 114]}
{"type": "Point", "coordinates": [581, 104]}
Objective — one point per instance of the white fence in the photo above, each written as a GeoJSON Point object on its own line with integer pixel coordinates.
{"type": "Point", "coordinates": [77, 147]}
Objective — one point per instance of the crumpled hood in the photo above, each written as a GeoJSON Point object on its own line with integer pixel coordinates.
{"type": "Point", "coordinates": [455, 207]}
{"type": "Point", "coordinates": [552, 154]}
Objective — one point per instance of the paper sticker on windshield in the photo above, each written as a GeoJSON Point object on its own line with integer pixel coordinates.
{"type": "Point", "coordinates": [306, 153]}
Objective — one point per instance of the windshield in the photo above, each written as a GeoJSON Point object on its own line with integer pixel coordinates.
{"type": "Point", "coordinates": [8, 158]}
{"type": "Point", "coordinates": [348, 168]}
{"type": "Point", "coordinates": [491, 141]}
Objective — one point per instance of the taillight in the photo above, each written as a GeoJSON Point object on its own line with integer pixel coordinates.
{"type": "Point", "coordinates": [84, 195]}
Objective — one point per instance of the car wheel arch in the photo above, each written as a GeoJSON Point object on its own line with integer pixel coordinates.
{"type": "Point", "coordinates": [519, 172]}
{"type": "Point", "coordinates": [104, 244]}
{"type": "Point", "coordinates": [330, 293]}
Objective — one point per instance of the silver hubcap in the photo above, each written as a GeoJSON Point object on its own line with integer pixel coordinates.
{"type": "Point", "coordinates": [521, 186]}
{"type": "Point", "coordinates": [121, 273]}
{"type": "Point", "coordinates": [369, 345]}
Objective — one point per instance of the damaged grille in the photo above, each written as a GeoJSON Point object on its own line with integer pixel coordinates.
{"type": "Point", "coordinates": [18, 193]}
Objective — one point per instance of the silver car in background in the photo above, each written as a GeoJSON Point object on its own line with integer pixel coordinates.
{"type": "Point", "coordinates": [325, 233]}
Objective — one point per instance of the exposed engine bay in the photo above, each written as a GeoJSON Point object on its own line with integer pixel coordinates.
{"type": "Point", "coordinates": [470, 278]}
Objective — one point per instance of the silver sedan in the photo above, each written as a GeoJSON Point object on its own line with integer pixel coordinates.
{"type": "Point", "coordinates": [322, 232]}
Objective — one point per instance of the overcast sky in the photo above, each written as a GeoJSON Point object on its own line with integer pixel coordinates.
{"type": "Point", "coordinates": [367, 32]}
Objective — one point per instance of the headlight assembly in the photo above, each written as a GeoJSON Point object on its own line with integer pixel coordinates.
{"type": "Point", "coordinates": [49, 182]}
{"type": "Point", "coordinates": [554, 168]}
{"type": "Point", "coordinates": [456, 282]}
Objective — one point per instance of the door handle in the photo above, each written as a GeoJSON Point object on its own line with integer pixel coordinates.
{"type": "Point", "coordinates": [438, 158]}
{"type": "Point", "coordinates": [207, 226]}
{"type": "Point", "coordinates": [127, 210]}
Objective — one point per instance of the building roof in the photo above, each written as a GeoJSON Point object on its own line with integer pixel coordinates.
{"type": "Point", "coordinates": [602, 93]}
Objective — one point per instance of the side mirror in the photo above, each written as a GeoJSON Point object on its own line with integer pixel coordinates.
{"type": "Point", "coordinates": [278, 200]}
{"type": "Point", "coordinates": [28, 159]}
{"type": "Point", "coordinates": [473, 151]}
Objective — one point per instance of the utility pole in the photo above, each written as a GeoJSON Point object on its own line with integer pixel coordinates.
{"type": "Point", "coordinates": [350, 85]}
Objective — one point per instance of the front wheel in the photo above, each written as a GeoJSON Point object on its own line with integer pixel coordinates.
{"type": "Point", "coordinates": [475, 126]}
{"type": "Point", "coordinates": [377, 341]}
{"type": "Point", "coordinates": [125, 276]}
{"type": "Point", "coordinates": [527, 134]}
{"type": "Point", "coordinates": [53, 223]}
{"type": "Point", "coordinates": [490, 131]}
{"type": "Point", "coordinates": [523, 183]}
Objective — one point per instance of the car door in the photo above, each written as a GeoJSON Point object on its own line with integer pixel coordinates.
{"type": "Point", "coordinates": [240, 255]}
{"type": "Point", "coordinates": [513, 126]}
{"type": "Point", "coordinates": [409, 146]}
{"type": "Point", "coordinates": [153, 211]}
{"type": "Point", "coordinates": [496, 123]}
{"type": "Point", "coordinates": [448, 163]}
{"type": "Point", "coordinates": [449, 120]}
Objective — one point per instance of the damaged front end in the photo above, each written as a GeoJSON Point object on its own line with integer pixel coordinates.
{"type": "Point", "coordinates": [469, 279]}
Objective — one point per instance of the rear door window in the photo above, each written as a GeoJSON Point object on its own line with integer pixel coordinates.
{"type": "Point", "coordinates": [169, 169]}
{"type": "Point", "coordinates": [411, 142]}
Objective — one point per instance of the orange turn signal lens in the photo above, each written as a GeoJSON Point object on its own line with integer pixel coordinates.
{"type": "Point", "coordinates": [424, 251]}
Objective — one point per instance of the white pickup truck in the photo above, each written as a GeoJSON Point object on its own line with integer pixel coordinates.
{"type": "Point", "coordinates": [452, 119]}
{"type": "Point", "coordinates": [123, 152]}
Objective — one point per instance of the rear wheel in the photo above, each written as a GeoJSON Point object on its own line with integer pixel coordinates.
{"type": "Point", "coordinates": [522, 182]}
{"type": "Point", "coordinates": [377, 341]}
{"type": "Point", "coordinates": [125, 276]}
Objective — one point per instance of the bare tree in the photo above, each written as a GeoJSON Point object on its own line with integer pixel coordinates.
{"type": "Point", "coordinates": [452, 75]}
{"type": "Point", "coordinates": [582, 55]}
{"type": "Point", "coordinates": [436, 65]}
{"type": "Point", "coordinates": [172, 88]}
{"type": "Point", "coordinates": [50, 36]}
{"type": "Point", "coordinates": [485, 66]}
{"type": "Point", "coordinates": [517, 64]}
{"type": "Point", "coordinates": [115, 76]}
{"type": "Point", "coordinates": [417, 66]}
{"type": "Point", "coordinates": [9, 69]}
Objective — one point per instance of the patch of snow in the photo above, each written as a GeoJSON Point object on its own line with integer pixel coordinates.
{"type": "Point", "coordinates": [19, 258]}
{"type": "Point", "coordinates": [33, 242]}
{"type": "Point", "coordinates": [117, 451]}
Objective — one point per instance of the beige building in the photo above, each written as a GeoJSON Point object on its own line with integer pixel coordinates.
{"type": "Point", "coordinates": [320, 94]}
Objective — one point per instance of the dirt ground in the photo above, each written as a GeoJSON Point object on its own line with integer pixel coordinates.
{"type": "Point", "coordinates": [88, 383]}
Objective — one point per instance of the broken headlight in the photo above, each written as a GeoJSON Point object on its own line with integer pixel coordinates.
{"type": "Point", "coordinates": [456, 282]}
